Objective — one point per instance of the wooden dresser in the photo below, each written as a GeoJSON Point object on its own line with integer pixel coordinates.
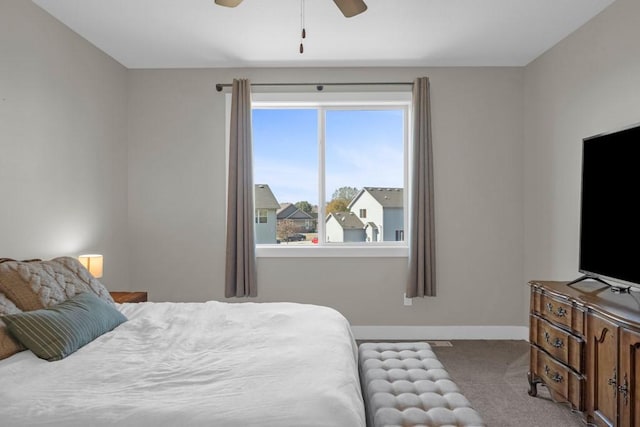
{"type": "Point", "coordinates": [585, 347]}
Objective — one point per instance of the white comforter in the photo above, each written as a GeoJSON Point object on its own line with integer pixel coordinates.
{"type": "Point", "coordinates": [196, 364]}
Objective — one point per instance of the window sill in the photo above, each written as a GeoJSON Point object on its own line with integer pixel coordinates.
{"type": "Point", "coordinates": [298, 251]}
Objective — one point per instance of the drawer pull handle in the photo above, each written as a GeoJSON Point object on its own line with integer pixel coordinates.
{"type": "Point", "coordinates": [557, 343]}
{"type": "Point", "coordinates": [624, 389]}
{"type": "Point", "coordinates": [555, 377]}
{"type": "Point", "coordinates": [560, 312]}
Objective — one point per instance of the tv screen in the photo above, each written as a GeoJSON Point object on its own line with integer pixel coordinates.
{"type": "Point", "coordinates": [610, 219]}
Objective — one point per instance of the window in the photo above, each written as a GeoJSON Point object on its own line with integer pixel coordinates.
{"type": "Point", "coordinates": [399, 235]}
{"type": "Point", "coordinates": [261, 216]}
{"type": "Point", "coordinates": [345, 159]}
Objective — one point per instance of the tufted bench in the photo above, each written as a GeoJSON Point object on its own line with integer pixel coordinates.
{"type": "Point", "coordinates": [404, 384]}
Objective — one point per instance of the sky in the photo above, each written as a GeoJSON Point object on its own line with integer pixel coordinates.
{"type": "Point", "coordinates": [363, 148]}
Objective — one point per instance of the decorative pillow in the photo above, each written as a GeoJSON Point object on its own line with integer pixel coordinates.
{"type": "Point", "coordinates": [35, 284]}
{"type": "Point", "coordinates": [8, 345]}
{"type": "Point", "coordinates": [7, 306]}
{"type": "Point", "coordinates": [54, 333]}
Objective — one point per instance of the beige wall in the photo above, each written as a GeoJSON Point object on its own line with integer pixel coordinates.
{"type": "Point", "coordinates": [589, 83]}
{"type": "Point", "coordinates": [98, 158]}
{"type": "Point", "coordinates": [63, 176]}
{"type": "Point", "coordinates": [176, 199]}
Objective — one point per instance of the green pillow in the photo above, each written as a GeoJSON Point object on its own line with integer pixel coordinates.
{"type": "Point", "coordinates": [54, 333]}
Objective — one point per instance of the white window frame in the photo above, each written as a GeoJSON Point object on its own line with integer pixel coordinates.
{"type": "Point", "coordinates": [323, 101]}
{"type": "Point", "coordinates": [265, 216]}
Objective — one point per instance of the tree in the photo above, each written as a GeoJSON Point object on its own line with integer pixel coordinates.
{"type": "Point", "coordinates": [337, 205]}
{"type": "Point", "coordinates": [304, 206]}
{"type": "Point", "coordinates": [341, 199]}
{"type": "Point", "coordinates": [346, 193]}
{"type": "Point", "coordinates": [285, 228]}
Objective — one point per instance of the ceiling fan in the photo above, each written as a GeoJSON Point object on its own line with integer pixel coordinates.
{"type": "Point", "coordinates": [348, 8]}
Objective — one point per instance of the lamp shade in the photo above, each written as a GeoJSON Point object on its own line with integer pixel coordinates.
{"type": "Point", "coordinates": [93, 263]}
{"type": "Point", "coordinates": [228, 3]}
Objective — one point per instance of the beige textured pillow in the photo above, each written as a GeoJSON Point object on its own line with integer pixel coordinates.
{"type": "Point", "coordinates": [6, 306]}
{"type": "Point", "coordinates": [32, 285]}
{"type": "Point", "coordinates": [8, 345]}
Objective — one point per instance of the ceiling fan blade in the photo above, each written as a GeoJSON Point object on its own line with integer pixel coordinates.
{"type": "Point", "coordinates": [228, 3]}
{"type": "Point", "coordinates": [351, 8]}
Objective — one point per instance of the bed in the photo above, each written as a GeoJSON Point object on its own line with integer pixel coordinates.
{"type": "Point", "coordinates": [195, 364]}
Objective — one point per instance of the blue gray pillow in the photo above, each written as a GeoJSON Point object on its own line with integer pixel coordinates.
{"type": "Point", "coordinates": [54, 333]}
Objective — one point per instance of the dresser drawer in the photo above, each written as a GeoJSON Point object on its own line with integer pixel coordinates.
{"type": "Point", "coordinates": [562, 382]}
{"type": "Point", "coordinates": [557, 342]}
{"type": "Point", "coordinates": [559, 312]}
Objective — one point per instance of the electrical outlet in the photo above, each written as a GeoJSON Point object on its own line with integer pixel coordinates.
{"type": "Point", "coordinates": [407, 301]}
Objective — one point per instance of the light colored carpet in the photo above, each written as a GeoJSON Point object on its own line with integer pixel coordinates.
{"type": "Point", "coordinates": [493, 376]}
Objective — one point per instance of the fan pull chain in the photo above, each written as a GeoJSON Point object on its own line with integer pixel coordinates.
{"type": "Point", "coordinates": [303, 32]}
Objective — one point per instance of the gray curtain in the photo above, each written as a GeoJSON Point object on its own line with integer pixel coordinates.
{"type": "Point", "coordinates": [240, 272]}
{"type": "Point", "coordinates": [422, 258]}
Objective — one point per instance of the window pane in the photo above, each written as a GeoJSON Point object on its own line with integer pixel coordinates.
{"type": "Point", "coordinates": [285, 161]}
{"type": "Point", "coordinates": [262, 215]}
{"type": "Point", "coordinates": [364, 155]}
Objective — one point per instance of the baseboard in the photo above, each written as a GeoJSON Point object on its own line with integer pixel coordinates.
{"type": "Point", "coordinates": [440, 332]}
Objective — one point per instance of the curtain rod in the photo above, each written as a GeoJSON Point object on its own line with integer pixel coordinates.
{"type": "Point", "coordinates": [319, 86]}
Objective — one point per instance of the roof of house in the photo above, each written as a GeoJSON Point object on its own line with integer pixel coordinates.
{"type": "Point", "coordinates": [290, 211]}
{"type": "Point", "coordinates": [347, 220]}
{"type": "Point", "coordinates": [387, 197]}
{"type": "Point", "coordinates": [264, 198]}
{"type": "Point", "coordinates": [285, 210]}
{"type": "Point", "coordinates": [371, 225]}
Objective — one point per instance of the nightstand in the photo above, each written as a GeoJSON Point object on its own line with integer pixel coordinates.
{"type": "Point", "coordinates": [122, 297]}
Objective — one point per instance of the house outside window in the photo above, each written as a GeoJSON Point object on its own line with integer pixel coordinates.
{"type": "Point", "coordinates": [347, 153]}
{"type": "Point", "coordinates": [266, 206]}
{"type": "Point", "coordinates": [385, 209]}
{"type": "Point", "coordinates": [301, 221]}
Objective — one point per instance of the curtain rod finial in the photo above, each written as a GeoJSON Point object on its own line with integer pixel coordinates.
{"type": "Point", "coordinates": [319, 88]}
{"type": "Point", "coordinates": [219, 87]}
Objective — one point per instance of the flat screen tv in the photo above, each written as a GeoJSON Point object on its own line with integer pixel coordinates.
{"type": "Point", "coordinates": [609, 215]}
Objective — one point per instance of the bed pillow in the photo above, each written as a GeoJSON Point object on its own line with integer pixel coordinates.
{"type": "Point", "coordinates": [35, 284]}
{"type": "Point", "coordinates": [54, 333]}
{"type": "Point", "coordinates": [8, 345]}
{"type": "Point", "coordinates": [7, 306]}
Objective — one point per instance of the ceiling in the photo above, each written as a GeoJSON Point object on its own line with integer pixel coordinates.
{"type": "Point", "coordinates": [266, 33]}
